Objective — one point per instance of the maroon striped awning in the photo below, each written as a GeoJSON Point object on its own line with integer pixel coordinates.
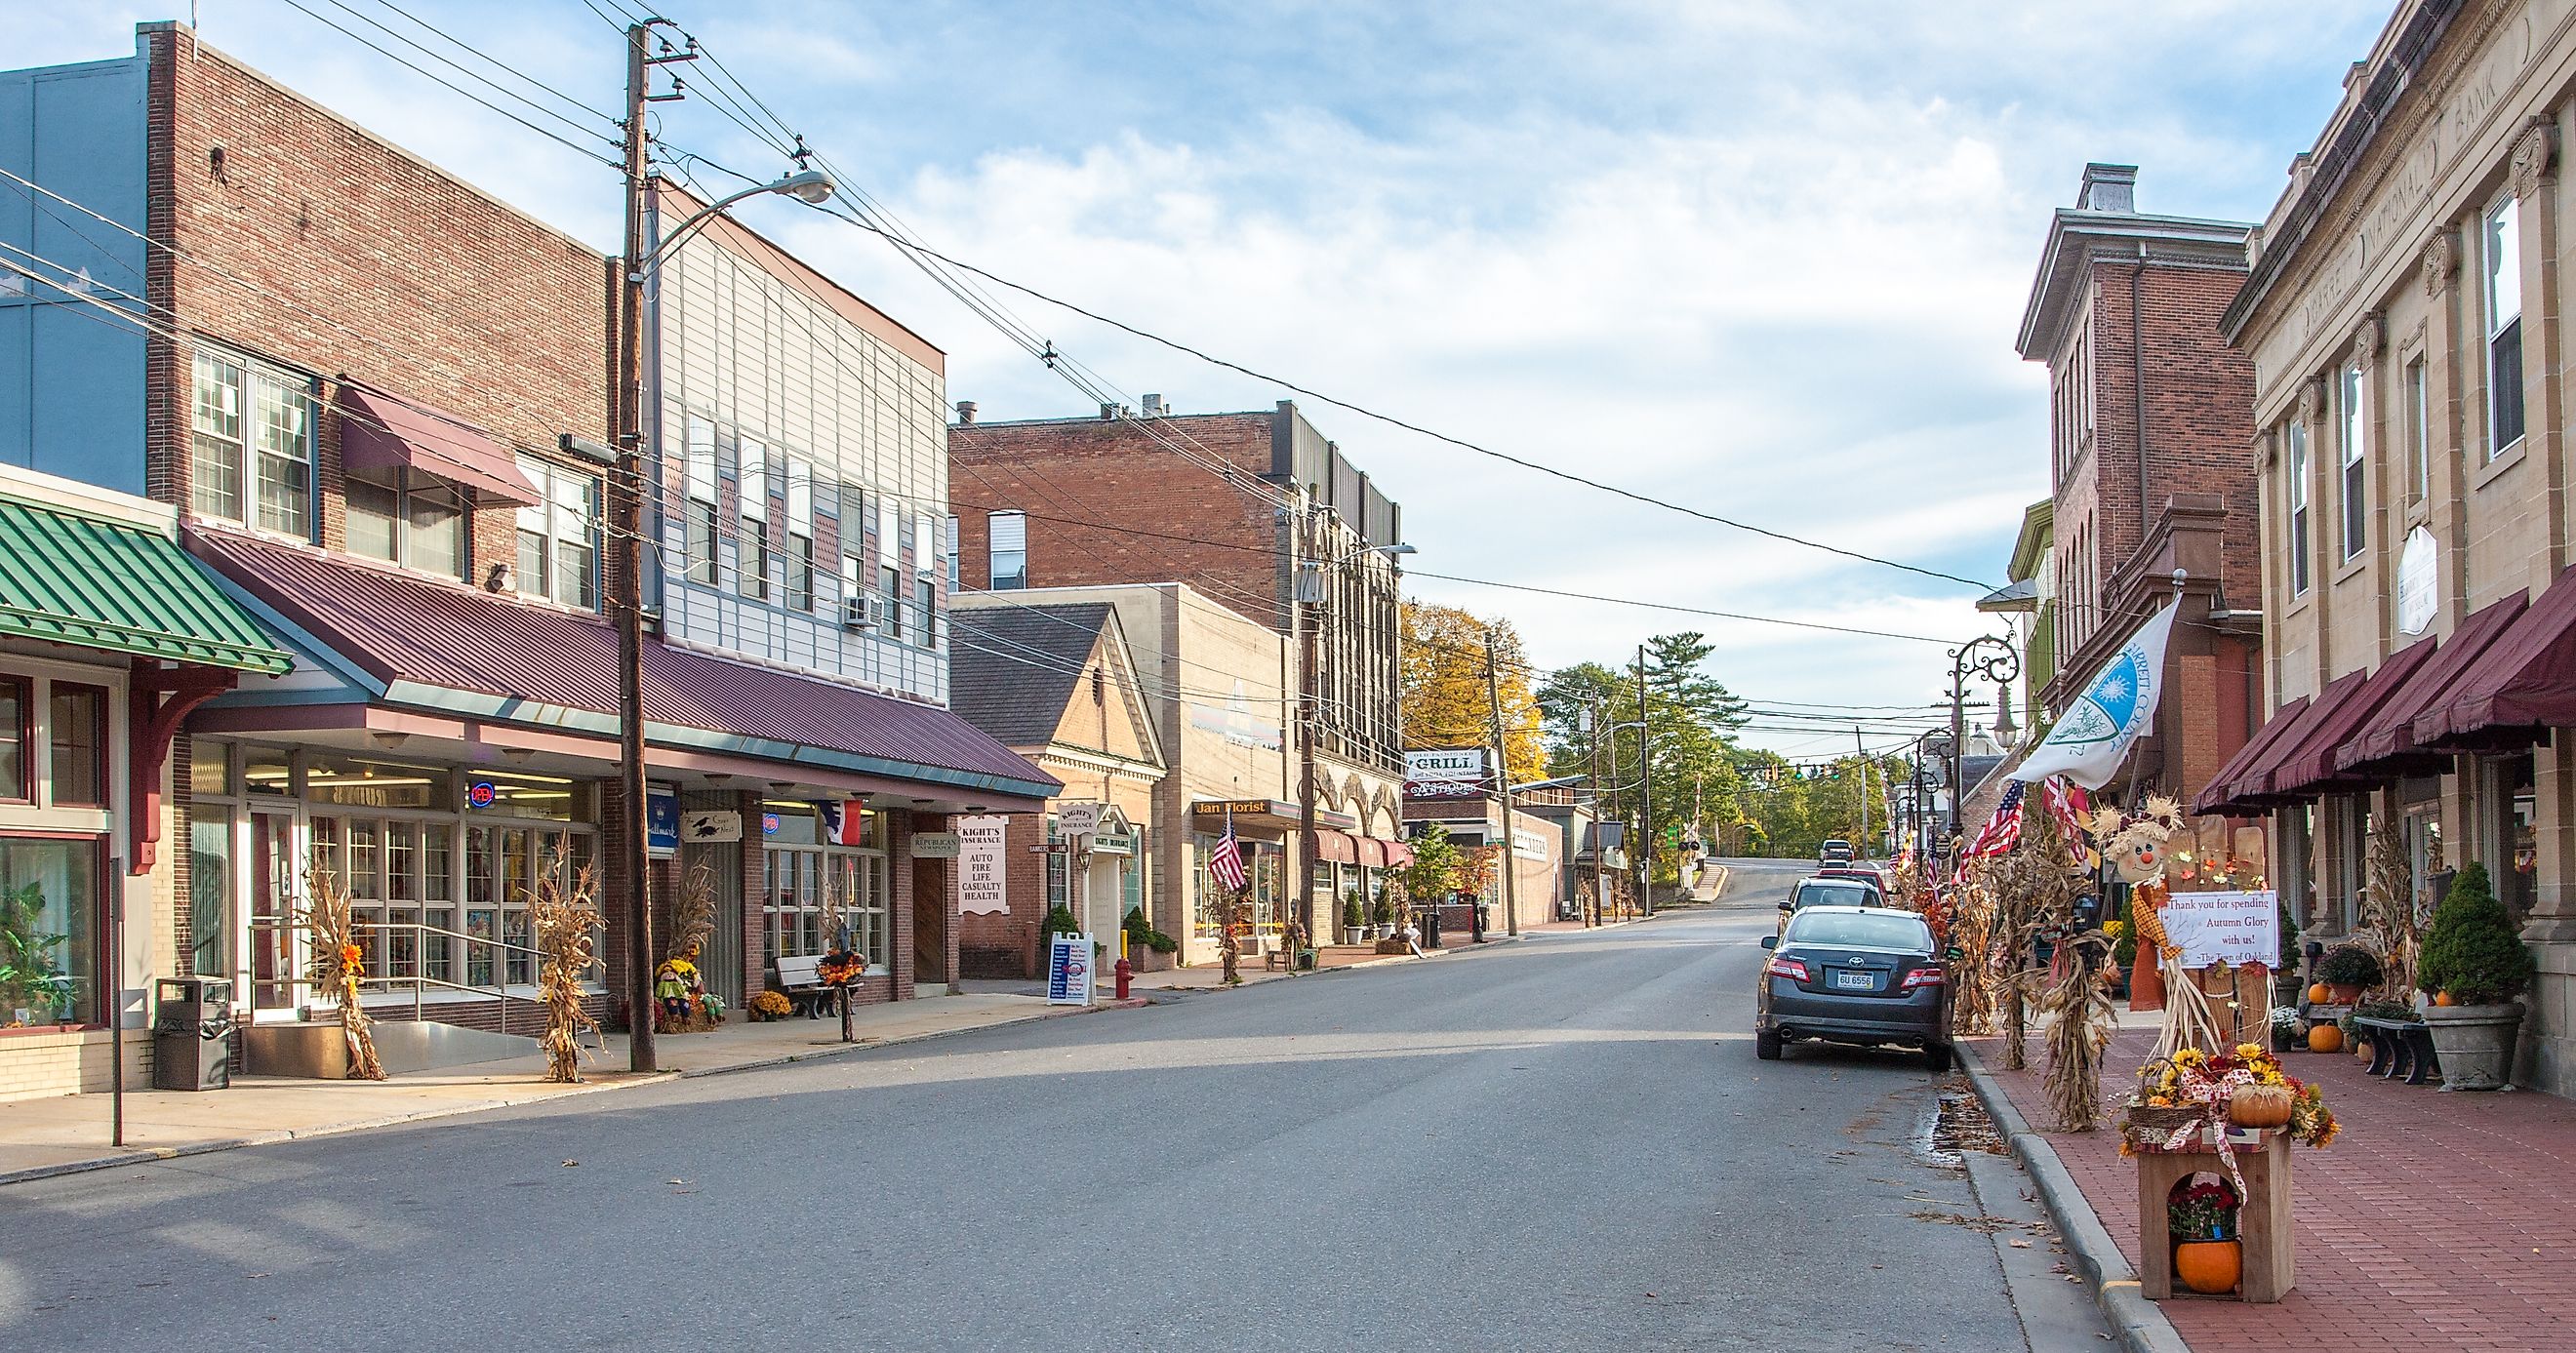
{"type": "Point", "coordinates": [2310, 770]}
{"type": "Point", "coordinates": [2386, 744]}
{"type": "Point", "coordinates": [530, 663]}
{"type": "Point", "coordinates": [1335, 846]}
{"type": "Point", "coordinates": [2226, 788]}
{"type": "Point", "coordinates": [380, 431]}
{"type": "Point", "coordinates": [2523, 686]}
{"type": "Point", "coordinates": [1372, 851]}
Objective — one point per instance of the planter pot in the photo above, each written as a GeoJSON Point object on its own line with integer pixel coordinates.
{"type": "Point", "coordinates": [1354, 934]}
{"type": "Point", "coordinates": [2209, 1267]}
{"type": "Point", "coordinates": [2475, 1043]}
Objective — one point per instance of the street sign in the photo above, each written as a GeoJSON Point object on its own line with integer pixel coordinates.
{"type": "Point", "coordinates": [1069, 970]}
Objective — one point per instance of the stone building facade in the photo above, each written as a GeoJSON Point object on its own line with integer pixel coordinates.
{"type": "Point", "coordinates": [2404, 314]}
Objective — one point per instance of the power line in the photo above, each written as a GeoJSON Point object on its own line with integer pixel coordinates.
{"type": "Point", "coordinates": [460, 90]}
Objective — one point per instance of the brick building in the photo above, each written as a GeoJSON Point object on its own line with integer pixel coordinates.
{"type": "Point", "coordinates": [1261, 514]}
{"type": "Point", "coordinates": [2404, 317]}
{"type": "Point", "coordinates": [2151, 470]}
{"type": "Point", "coordinates": [354, 400]}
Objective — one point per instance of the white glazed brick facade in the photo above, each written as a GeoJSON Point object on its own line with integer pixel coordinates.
{"type": "Point", "coordinates": [765, 352]}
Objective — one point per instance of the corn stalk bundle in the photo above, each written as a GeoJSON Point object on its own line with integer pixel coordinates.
{"type": "Point", "coordinates": [1975, 985]}
{"type": "Point", "coordinates": [2388, 908]}
{"type": "Point", "coordinates": [2080, 1024]}
{"type": "Point", "coordinates": [339, 966]}
{"type": "Point", "coordinates": [2035, 888]}
{"type": "Point", "coordinates": [693, 916]}
{"type": "Point", "coordinates": [567, 926]}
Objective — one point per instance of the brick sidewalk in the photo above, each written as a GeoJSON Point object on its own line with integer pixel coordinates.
{"type": "Point", "coordinates": [2462, 1207]}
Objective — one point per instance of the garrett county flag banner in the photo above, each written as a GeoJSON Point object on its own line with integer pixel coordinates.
{"type": "Point", "coordinates": [2117, 705]}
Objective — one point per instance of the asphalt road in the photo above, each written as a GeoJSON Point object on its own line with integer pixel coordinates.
{"type": "Point", "coordinates": [1560, 1144]}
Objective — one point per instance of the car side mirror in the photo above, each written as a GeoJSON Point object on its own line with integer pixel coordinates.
{"type": "Point", "coordinates": [1954, 953]}
{"type": "Point", "coordinates": [1788, 906]}
{"type": "Point", "coordinates": [1770, 941]}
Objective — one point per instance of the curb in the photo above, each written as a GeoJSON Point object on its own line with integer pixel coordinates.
{"type": "Point", "coordinates": [2139, 1324]}
{"type": "Point", "coordinates": [149, 1155]}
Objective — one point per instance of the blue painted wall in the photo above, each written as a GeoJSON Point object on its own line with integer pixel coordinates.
{"type": "Point", "coordinates": [71, 374]}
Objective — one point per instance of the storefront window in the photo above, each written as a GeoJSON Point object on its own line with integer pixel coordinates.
{"type": "Point", "coordinates": [210, 769]}
{"type": "Point", "coordinates": [79, 719]}
{"type": "Point", "coordinates": [521, 794]}
{"type": "Point", "coordinates": [13, 740]}
{"type": "Point", "coordinates": [267, 770]}
{"type": "Point", "coordinates": [808, 882]}
{"type": "Point", "coordinates": [49, 903]}
{"type": "Point", "coordinates": [360, 782]}
{"type": "Point", "coordinates": [210, 891]}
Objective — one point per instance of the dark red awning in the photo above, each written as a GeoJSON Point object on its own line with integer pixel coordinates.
{"type": "Point", "coordinates": [379, 431]}
{"type": "Point", "coordinates": [2311, 770]}
{"type": "Point", "coordinates": [1335, 846]}
{"type": "Point", "coordinates": [1372, 851]}
{"type": "Point", "coordinates": [2386, 744]}
{"type": "Point", "coordinates": [2262, 783]}
{"type": "Point", "coordinates": [2523, 686]}
{"type": "Point", "coordinates": [1399, 855]}
{"type": "Point", "coordinates": [2224, 787]}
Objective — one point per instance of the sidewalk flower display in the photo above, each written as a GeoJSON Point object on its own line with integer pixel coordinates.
{"type": "Point", "coordinates": [840, 968]}
{"type": "Point", "coordinates": [2195, 1094]}
{"type": "Point", "coordinates": [770, 1005]}
{"type": "Point", "coordinates": [2201, 1217]}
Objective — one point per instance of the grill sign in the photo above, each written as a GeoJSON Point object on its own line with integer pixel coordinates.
{"type": "Point", "coordinates": [1447, 773]}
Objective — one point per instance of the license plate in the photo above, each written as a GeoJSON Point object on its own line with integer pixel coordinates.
{"type": "Point", "coordinates": [1856, 981]}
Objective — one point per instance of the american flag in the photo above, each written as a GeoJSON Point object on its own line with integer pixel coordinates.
{"type": "Point", "coordinates": [2002, 832]}
{"type": "Point", "coordinates": [1225, 863]}
{"type": "Point", "coordinates": [2068, 804]}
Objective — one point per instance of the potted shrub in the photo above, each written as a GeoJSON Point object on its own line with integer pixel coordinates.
{"type": "Point", "coordinates": [2473, 957]}
{"type": "Point", "coordinates": [1354, 918]}
{"type": "Point", "coordinates": [2348, 970]}
{"type": "Point", "coordinates": [1148, 949]}
{"type": "Point", "coordinates": [2285, 974]}
{"type": "Point", "coordinates": [1382, 915]}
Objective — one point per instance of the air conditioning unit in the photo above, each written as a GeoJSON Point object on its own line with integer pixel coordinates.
{"type": "Point", "coordinates": [865, 611]}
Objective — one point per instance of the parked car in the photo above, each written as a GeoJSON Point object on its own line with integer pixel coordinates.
{"type": "Point", "coordinates": [1867, 976]}
{"type": "Point", "coordinates": [1834, 849]}
{"type": "Point", "coordinates": [1829, 892]}
{"type": "Point", "coordinates": [1860, 871]}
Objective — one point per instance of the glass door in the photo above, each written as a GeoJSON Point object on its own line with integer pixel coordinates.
{"type": "Point", "coordinates": [276, 951]}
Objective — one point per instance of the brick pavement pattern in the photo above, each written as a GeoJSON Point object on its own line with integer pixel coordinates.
{"type": "Point", "coordinates": [2436, 1221]}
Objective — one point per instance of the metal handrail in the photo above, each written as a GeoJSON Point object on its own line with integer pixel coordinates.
{"type": "Point", "coordinates": [420, 981]}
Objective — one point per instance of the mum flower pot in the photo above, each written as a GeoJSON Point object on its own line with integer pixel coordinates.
{"type": "Point", "coordinates": [2474, 1043]}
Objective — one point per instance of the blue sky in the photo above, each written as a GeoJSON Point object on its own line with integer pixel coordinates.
{"type": "Point", "coordinates": [1764, 257]}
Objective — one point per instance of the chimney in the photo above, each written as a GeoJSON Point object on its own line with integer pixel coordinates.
{"type": "Point", "coordinates": [1109, 413]}
{"type": "Point", "coordinates": [2109, 188]}
{"type": "Point", "coordinates": [965, 413]}
{"type": "Point", "coordinates": [1153, 406]}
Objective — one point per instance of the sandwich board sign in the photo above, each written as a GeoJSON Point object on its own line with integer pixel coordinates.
{"type": "Point", "coordinates": [1069, 970]}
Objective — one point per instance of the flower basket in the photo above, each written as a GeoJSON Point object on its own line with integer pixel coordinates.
{"type": "Point", "coordinates": [2147, 1127]}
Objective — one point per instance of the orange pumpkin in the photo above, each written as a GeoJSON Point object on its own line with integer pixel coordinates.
{"type": "Point", "coordinates": [2260, 1106]}
{"type": "Point", "coordinates": [2325, 1038]}
{"type": "Point", "coordinates": [2317, 993]}
{"type": "Point", "coordinates": [2209, 1267]}
{"type": "Point", "coordinates": [2445, 998]}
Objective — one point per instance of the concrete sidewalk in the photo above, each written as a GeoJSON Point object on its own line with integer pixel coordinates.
{"type": "Point", "coordinates": [70, 1133]}
{"type": "Point", "coordinates": [2436, 1221]}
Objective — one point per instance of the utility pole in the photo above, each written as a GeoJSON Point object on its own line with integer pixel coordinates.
{"type": "Point", "coordinates": [1305, 615]}
{"type": "Point", "coordinates": [1503, 783]}
{"type": "Point", "coordinates": [1861, 847]}
{"type": "Point", "coordinates": [626, 517]}
{"type": "Point", "coordinates": [1645, 795]}
{"type": "Point", "coordinates": [1592, 756]}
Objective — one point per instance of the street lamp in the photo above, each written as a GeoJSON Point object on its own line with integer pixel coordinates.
{"type": "Point", "coordinates": [626, 437]}
{"type": "Point", "coordinates": [1932, 742]}
{"type": "Point", "coordinates": [1310, 592]}
{"type": "Point", "coordinates": [1994, 660]}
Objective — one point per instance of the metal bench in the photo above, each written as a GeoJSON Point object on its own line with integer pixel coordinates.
{"type": "Point", "coordinates": [2399, 1048]}
{"type": "Point", "coordinates": [798, 977]}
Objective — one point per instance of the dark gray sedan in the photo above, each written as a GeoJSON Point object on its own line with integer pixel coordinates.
{"type": "Point", "coordinates": [1860, 975]}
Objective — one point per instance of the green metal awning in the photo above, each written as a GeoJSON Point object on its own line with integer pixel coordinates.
{"type": "Point", "coordinates": [70, 578]}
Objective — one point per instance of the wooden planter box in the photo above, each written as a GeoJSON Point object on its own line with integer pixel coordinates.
{"type": "Point", "coordinates": [2262, 1217]}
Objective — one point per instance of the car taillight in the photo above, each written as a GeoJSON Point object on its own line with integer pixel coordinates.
{"type": "Point", "coordinates": [1790, 968]}
{"type": "Point", "coordinates": [1923, 977]}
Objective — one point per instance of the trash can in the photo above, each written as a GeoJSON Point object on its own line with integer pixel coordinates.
{"type": "Point", "coordinates": [192, 1028]}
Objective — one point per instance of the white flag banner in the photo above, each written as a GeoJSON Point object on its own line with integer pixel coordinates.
{"type": "Point", "coordinates": [2118, 704]}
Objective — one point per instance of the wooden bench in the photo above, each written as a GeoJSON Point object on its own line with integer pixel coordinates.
{"type": "Point", "coordinates": [799, 978]}
{"type": "Point", "coordinates": [2399, 1048]}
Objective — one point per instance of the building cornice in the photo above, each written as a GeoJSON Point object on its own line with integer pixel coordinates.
{"type": "Point", "coordinates": [2078, 239]}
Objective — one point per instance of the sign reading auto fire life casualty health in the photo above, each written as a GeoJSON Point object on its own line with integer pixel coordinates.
{"type": "Point", "coordinates": [2231, 928]}
{"type": "Point", "coordinates": [980, 866]}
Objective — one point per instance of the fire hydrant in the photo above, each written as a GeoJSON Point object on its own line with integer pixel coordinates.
{"type": "Point", "coordinates": [1124, 970]}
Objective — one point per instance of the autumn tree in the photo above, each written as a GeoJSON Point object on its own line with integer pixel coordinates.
{"type": "Point", "coordinates": [1444, 697]}
{"type": "Point", "coordinates": [1690, 721]}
